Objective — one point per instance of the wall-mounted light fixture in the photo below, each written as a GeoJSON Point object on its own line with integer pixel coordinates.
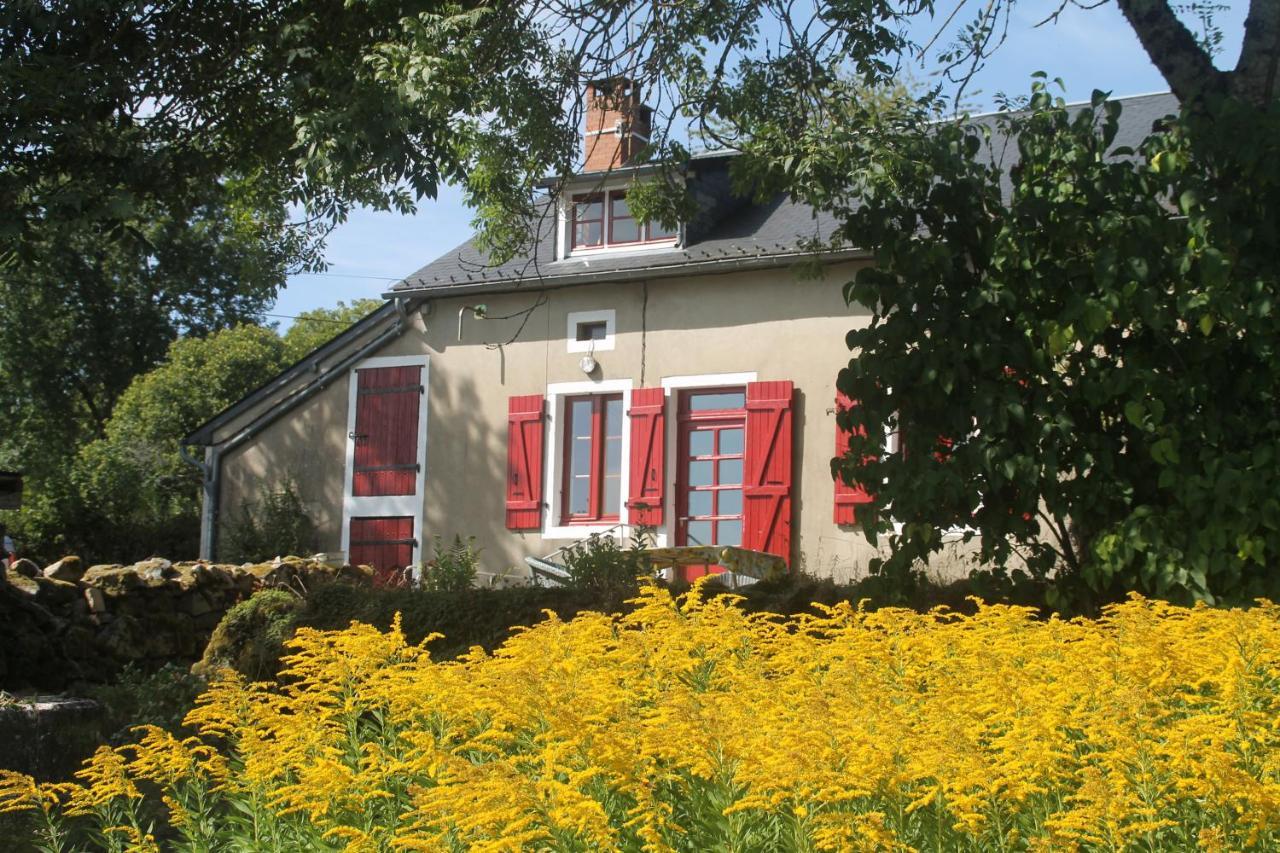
{"type": "Point", "coordinates": [477, 311]}
{"type": "Point", "coordinates": [588, 364]}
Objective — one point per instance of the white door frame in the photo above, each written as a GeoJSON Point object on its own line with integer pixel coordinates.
{"type": "Point", "coordinates": [672, 386]}
{"type": "Point", "coordinates": [386, 505]}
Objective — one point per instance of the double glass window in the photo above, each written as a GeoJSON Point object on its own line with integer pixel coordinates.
{"type": "Point", "coordinates": [605, 219]}
{"type": "Point", "coordinates": [592, 459]}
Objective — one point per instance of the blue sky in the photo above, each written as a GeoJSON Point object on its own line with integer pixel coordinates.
{"type": "Point", "coordinates": [1088, 49]}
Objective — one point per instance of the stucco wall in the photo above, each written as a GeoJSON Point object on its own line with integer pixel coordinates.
{"type": "Point", "coordinates": [771, 322]}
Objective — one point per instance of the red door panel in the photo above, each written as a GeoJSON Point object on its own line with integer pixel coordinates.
{"type": "Point", "coordinates": [386, 544]}
{"type": "Point", "coordinates": [388, 400]}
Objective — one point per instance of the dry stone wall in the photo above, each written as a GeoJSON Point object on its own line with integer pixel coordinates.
{"type": "Point", "coordinates": [68, 623]}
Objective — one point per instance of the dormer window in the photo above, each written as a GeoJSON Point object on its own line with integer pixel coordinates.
{"type": "Point", "coordinates": [588, 221]}
{"type": "Point", "coordinates": [604, 220]}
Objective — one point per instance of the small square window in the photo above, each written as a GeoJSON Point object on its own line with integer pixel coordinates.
{"type": "Point", "coordinates": [590, 331]}
{"type": "Point", "coordinates": [594, 330]}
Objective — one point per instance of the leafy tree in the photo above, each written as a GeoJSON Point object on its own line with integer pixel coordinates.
{"type": "Point", "coordinates": [92, 313]}
{"type": "Point", "coordinates": [127, 493]}
{"type": "Point", "coordinates": [1080, 374]}
{"type": "Point", "coordinates": [1076, 351]}
{"type": "Point", "coordinates": [137, 495]}
{"type": "Point", "coordinates": [114, 108]}
{"type": "Point", "coordinates": [318, 326]}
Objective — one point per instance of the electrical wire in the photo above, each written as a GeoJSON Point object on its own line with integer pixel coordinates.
{"type": "Point", "coordinates": [526, 313]}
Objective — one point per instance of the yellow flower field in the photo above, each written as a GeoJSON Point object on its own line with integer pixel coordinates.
{"type": "Point", "coordinates": [689, 725]}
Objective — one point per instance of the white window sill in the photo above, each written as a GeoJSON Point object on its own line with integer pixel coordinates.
{"type": "Point", "coordinates": [619, 251]}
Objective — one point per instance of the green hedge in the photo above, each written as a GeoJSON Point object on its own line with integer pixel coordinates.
{"type": "Point", "coordinates": [251, 637]}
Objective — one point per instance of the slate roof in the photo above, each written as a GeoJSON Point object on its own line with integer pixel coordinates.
{"type": "Point", "coordinates": [730, 232]}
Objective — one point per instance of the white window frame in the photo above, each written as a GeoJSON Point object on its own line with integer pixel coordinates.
{"type": "Point", "coordinates": [608, 316]}
{"type": "Point", "coordinates": [553, 474]}
{"type": "Point", "coordinates": [413, 505]}
{"type": "Point", "coordinates": [672, 384]}
{"type": "Point", "coordinates": [564, 233]}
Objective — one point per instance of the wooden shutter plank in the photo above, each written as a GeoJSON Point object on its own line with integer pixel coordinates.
{"type": "Point", "coordinates": [648, 457]}
{"type": "Point", "coordinates": [524, 462]}
{"type": "Point", "coordinates": [768, 468]}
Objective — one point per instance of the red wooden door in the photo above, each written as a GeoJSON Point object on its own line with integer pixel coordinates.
{"type": "Point", "coordinates": [386, 544]}
{"type": "Point", "coordinates": [712, 441]}
{"type": "Point", "coordinates": [388, 400]}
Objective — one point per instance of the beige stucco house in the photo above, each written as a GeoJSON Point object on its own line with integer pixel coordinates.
{"type": "Point", "coordinates": [620, 375]}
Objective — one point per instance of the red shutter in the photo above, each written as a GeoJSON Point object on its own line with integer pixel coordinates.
{"type": "Point", "coordinates": [524, 462]}
{"type": "Point", "coordinates": [847, 497]}
{"type": "Point", "coordinates": [767, 484]}
{"type": "Point", "coordinates": [648, 426]}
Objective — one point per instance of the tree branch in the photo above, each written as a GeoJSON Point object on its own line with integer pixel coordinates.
{"type": "Point", "coordinates": [1173, 49]}
{"type": "Point", "coordinates": [1254, 79]}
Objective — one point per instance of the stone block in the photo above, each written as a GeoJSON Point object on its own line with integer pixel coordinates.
{"type": "Point", "coordinates": [96, 600]}
{"type": "Point", "coordinates": [69, 569]}
{"type": "Point", "coordinates": [24, 567]}
{"type": "Point", "coordinates": [56, 594]}
{"type": "Point", "coordinates": [113, 579]}
{"type": "Point", "coordinates": [24, 584]}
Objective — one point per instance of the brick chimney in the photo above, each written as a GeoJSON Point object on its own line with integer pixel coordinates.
{"type": "Point", "coordinates": [617, 124]}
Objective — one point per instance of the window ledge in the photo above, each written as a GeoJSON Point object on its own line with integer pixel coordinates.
{"type": "Point", "coordinates": [620, 251]}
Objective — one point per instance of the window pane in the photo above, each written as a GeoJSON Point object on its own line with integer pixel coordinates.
{"type": "Point", "coordinates": [620, 207]}
{"type": "Point", "coordinates": [613, 456]}
{"type": "Point", "coordinates": [700, 473]}
{"type": "Point", "coordinates": [580, 417]}
{"type": "Point", "coordinates": [613, 417]}
{"type": "Point", "coordinates": [729, 533]}
{"type": "Point", "coordinates": [699, 503]}
{"type": "Point", "coordinates": [580, 457]}
{"type": "Point", "coordinates": [730, 441]}
{"type": "Point", "coordinates": [625, 231]}
{"type": "Point", "coordinates": [701, 442]}
{"type": "Point", "coordinates": [730, 472]}
{"type": "Point", "coordinates": [585, 210]}
{"type": "Point", "coordinates": [579, 495]}
{"type": "Point", "coordinates": [595, 331]}
{"type": "Point", "coordinates": [699, 533]}
{"type": "Point", "coordinates": [586, 234]}
{"type": "Point", "coordinates": [612, 495]}
{"type": "Point", "coordinates": [716, 401]}
{"type": "Point", "coordinates": [730, 502]}
{"type": "Point", "coordinates": [657, 232]}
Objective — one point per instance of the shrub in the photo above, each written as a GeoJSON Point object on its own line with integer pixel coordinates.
{"type": "Point", "coordinates": [277, 523]}
{"type": "Point", "coordinates": [138, 698]}
{"type": "Point", "coordinates": [600, 562]}
{"type": "Point", "coordinates": [692, 725]}
{"type": "Point", "coordinates": [454, 567]}
{"type": "Point", "coordinates": [251, 636]}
